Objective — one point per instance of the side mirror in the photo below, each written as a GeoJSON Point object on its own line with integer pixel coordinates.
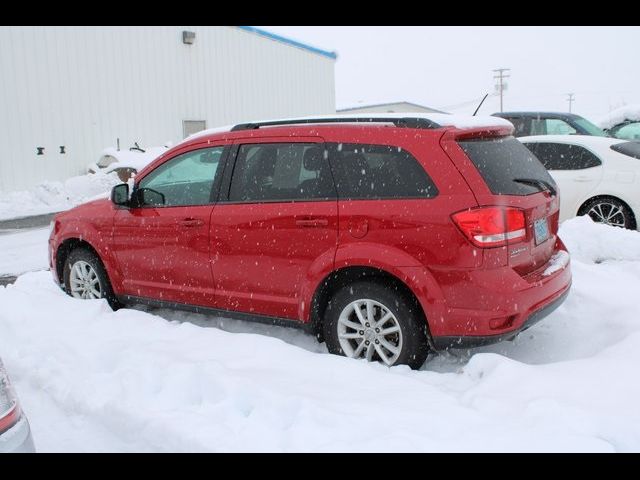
{"type": "Point", "coordinates": [120, 194]}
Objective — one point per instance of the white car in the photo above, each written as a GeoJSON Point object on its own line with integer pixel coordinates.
{"type": "Point", "coordinates": [15, 434]}
{"type": "Point", "coordinates": [596, 176]}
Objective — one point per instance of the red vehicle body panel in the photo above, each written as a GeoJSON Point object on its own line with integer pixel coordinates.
{"type": "Point", "coordinates": [271, 258]}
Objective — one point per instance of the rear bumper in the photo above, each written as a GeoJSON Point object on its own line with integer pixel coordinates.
{"type": "Point", "coordinates": [484, 306]}
{"type": "Point", "coordinates": [472, 341]}
{"type": "Point", "coordinates": [18, 438]}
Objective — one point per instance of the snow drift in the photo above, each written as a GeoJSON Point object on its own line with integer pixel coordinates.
{"type": "Point", "coordinates": [50, 196]}
{"type": "Point", "coordinates": [95, 380]}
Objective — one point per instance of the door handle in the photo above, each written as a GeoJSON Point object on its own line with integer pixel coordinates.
{"type": "Point", "coordinates": [581, 179]}
{"type": "Point", "coordinates": [191, 222]}
{"type": "Point", "coordinates": [312, 222]}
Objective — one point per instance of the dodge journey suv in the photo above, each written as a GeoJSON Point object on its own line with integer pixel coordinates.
{"type": "Point", "coordinates": [387, 236]}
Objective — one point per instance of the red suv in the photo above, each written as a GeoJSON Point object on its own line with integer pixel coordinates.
{"type": "Point", "coordinates": [387, 236]}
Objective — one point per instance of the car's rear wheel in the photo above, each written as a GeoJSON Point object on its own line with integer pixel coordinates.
{"type": "Point", "coordinates": [86, 278]}
{"type": "Point", "coordinates": [610, 211]}
{"type": "Point", "coordinates": [371, 321]}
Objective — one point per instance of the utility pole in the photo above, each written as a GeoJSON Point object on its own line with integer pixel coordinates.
{"type": "Point", "coordinates": [570, 100]}
{"type": "Point", "coordinates": [501, 86]}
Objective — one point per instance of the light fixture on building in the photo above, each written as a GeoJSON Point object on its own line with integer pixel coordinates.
{"type": "Point", "coordinates": [188, 37]}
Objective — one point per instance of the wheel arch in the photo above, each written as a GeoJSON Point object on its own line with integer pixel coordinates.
{"type": "Point", "coordinates": [65, 248]}
{"type": "Point", "coordinates": [347, 275]}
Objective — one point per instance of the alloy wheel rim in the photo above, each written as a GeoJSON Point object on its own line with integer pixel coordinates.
{"type": "Point", "coordinates": [84, 281]}
{"type": "Point", "coordinates": [368, 329]}
{"type": "Point", "coordinates": [608, 213]}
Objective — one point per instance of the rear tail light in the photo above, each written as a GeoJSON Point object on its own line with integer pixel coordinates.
{"type": "Point", "coordinates": [9, 411]}
{"type": "Point", "coordinates": [492, 226]}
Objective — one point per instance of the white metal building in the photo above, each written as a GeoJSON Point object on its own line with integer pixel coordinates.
{"type": "Point", "coordinates": [66, 93]}
{"type": "Point", "coordinates": [395, 107]}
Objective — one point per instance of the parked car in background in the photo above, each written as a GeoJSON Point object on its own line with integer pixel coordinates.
{"type": "Point", "coordinates": [623, 123]}
{"type": "Point", "coordinates": [385, 234]}
{"type": "Point", "coordinates": [550, 123]}
{"type": "Point", "coordinates": [126, 162]}
{"type": "Point", "coordinates": [599, 177]}
{"type": "Point", "coordinates": [15, 433]}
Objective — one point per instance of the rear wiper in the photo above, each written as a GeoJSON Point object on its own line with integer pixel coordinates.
{"type": "Point", "coordinates": [541, 184]}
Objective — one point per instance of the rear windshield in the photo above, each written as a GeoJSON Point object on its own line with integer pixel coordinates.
{"type": "Point", "coordinates": [630, 149]}
{"type": "Point", "coordinates": [502, 161]}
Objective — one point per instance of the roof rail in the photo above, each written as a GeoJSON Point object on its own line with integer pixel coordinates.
{"type": "Point", "coordinates": [407, 122]}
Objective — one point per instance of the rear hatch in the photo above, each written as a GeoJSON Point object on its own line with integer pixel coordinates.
{"type": "Point", "coordinates": [502, 172]}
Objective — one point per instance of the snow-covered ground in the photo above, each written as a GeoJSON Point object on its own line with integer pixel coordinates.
{"type": "Point", "coordinates": [23, 251]}
{"type": "Point", "coordinates": [50, 197]}
{"type": "Point", "coordinates": [95, 380]}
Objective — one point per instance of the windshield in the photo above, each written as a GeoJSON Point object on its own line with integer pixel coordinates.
{"type": "Point", "coordinates": [589, 127]}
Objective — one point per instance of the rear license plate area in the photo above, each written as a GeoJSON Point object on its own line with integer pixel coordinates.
{"type": "Point", "coordinates": [541, 230]}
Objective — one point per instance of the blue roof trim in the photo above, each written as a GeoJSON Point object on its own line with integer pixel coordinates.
{"type": "Point", "coordinates": [288, 41]}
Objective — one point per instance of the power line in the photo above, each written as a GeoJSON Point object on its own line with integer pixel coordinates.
{"type": "Point", "coordinates": [501, 86]}
{"type": "Point", "coordinates": [570, 100]}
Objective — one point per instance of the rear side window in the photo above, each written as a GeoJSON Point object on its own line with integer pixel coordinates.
{"type": "Point", "coordinates": [562, 156]}
{"type": "Point", "coordinates": [272, 172]}
{"type": "Point", "coordinates": [520, 126]}
{"type": "Point", "coordinates": [363, 171]}
{"type": "Point", "coordinates": [630, 149]}
{"type": "Point", "coordinates": [504, 163]}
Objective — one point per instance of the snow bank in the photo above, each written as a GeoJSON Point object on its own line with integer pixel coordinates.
{"type": "Point", "coordinates": [619, 115]}
{"type": "Point", "coordinates": [592, 242]}
{"type": "Point", "coordinates": [95, 380]}
{"type": "Point", "coordinates": [50, 197]}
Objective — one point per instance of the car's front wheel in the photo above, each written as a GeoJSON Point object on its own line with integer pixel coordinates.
{"type": "Point", "coordinates": [372, 321]}
{"type": "Point", "coordinates": [86, 278]}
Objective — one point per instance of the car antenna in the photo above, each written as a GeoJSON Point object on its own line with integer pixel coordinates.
{"type": "Point", "coordinates": [481, 102]}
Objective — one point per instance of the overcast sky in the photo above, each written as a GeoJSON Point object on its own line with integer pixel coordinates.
{"type": "Point", "coordinates": [451, 67]}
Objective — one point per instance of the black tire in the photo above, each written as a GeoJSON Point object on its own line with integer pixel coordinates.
{"type": "Point", "coordinates": [86, 255]}
{"type": "Point", "coordinates": [605, 204]}
{"type": "Point", "coordinates": [410, 319]}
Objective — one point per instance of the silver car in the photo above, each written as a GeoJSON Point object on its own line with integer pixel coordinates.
{"type": "Point", "coordinates": [15, 434]}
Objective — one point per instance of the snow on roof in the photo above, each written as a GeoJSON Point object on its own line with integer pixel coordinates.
{"type": "Point", "coordinates": [619, 115]}
{"type": "Point", "coordinates": [442, 119]}
{"type": "Point", "coordinates": [207, 132]}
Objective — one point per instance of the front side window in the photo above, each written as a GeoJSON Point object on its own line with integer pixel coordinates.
{"type": "Point", "coordinates": [187, 179]}
{"type": "Point", "coordinates": [378, 171]}
{"type": "Point", "coordinates": [273, 172]}
{"type": "Point", "coordinates": [561, 156]}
